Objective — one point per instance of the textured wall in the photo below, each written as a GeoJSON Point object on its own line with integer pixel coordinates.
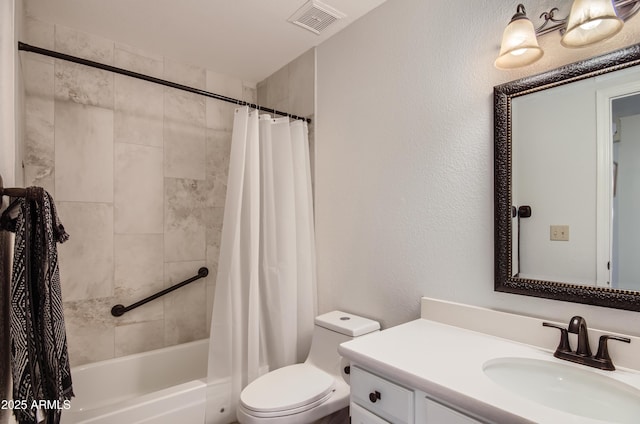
{"type": "Point", "coordinates": [404, 159]}
{"type": "Point", "coordinates": [139, 173]}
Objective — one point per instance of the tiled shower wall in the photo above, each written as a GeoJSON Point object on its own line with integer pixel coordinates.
{"type": "Point", "coordinates": [138, 172]}
{"type": "Point", "coordinates": [292, 89]}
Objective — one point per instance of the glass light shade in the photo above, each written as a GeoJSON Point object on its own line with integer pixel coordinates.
{"type": "Point", "coordinates": [519, 45]}
{"type": "Point", "coordinates": [590, 21]}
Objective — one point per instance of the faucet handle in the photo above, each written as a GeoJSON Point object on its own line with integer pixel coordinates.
{"type": "Point", "coordinates": [603, 350]}
{"type": "Point", "coordinates": [564, 337]}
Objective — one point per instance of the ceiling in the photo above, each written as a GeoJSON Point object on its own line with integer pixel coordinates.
{"type": "Point", "coordinates": [249, 39]}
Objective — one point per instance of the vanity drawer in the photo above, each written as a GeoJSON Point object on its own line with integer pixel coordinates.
{"type": "Point", "coordinates": [382, 397]}
{"type": "Point", "coordinates": [359, 415]}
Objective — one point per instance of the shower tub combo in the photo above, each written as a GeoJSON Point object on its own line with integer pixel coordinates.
{"type": "Point", "coordinates": [164, 386]}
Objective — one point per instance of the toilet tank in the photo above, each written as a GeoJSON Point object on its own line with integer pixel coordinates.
{"type": "Point", "coordinates": [347, 324]}
{"type": "Point", "coordinates": [329, 331]}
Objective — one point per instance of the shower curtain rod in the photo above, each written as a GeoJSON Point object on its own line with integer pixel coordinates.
{"type": "Point", "coordinates": [75, 59]}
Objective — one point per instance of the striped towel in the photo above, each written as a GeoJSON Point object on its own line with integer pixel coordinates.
{"type": "Point", "coordinates": [39, 358]}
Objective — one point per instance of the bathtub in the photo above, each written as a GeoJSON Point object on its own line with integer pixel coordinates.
{"type": "Point", "coordinates": [164, 386]}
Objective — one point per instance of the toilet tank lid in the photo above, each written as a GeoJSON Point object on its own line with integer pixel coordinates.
{"type": "Point", "coordinates": [348, 324]}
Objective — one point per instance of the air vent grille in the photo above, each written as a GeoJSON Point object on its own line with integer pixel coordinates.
{"type": "Point", "coordinates": [315, 16]}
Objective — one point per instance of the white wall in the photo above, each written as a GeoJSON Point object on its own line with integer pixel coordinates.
{"type": "Point", "coordinates": [404, 152]}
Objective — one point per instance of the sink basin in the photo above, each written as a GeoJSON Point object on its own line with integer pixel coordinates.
{"type": "Point", "coordinates": [567, 388]}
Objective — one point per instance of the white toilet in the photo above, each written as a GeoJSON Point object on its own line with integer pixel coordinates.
{"type": "Point", "coordinates": [303, 393]}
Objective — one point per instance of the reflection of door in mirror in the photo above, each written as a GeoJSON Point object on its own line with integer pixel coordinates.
{"type": "Point", "coordinates": [562, 166]}
{"type": "Point", "coordinates": [618, 235]}
{"type": "Point", "coordinates": [625, 245]}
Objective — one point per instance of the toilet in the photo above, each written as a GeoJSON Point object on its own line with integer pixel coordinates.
{"type": "Point", "coordinates": [306, 392]}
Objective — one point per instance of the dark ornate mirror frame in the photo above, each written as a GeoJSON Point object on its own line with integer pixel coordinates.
{"type": "Point", "coordinates": [503, 95]}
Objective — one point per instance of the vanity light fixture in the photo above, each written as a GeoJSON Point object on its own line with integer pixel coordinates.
{"type": "Point", "coordinates": [519, 43]}
{"type": "Point", "coordinates": [589, 22]}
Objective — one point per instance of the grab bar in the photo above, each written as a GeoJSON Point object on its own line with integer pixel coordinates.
{"type": "Point", "coordinates": [119, 310]}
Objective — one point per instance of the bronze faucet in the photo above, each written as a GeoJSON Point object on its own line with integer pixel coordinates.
{"type": "Point", "coordinates": [578, 326]}
{"type": "Point", "coordinates": [582, 354]}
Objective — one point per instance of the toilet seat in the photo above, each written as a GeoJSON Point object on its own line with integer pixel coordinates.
{"type": "Point", "coordinates": [288, 390]}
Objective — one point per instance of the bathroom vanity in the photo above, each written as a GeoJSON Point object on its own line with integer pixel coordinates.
{"type": "Point", "coordinates": [434, 370]}
{"type": "Point", "coordinates": [399, 404]}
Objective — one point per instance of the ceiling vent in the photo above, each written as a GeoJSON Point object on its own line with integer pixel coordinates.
{"type": "Point", "coordinates": [315, 16]}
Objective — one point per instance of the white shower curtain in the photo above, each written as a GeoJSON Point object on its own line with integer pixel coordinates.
{"type": "Point", "coordinates": [265, 297]}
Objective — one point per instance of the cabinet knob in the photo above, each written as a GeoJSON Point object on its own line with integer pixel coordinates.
{"type": "Point", "coordinates": [374, 396]}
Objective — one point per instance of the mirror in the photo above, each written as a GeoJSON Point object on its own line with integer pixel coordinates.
{"type": "Point", "coordinates": [548, 190]}
{"type": "Point", "coordinates": [625, 234]}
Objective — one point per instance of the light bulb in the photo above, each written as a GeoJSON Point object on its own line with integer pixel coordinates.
{"type": "Point", "coordinates": [591, 24]}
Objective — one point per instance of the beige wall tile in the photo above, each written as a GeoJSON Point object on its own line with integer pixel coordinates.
{"type": "Point", "coordinates": [218, 152]}
{"type": "Point", "coordinates": [188, 75]}
{"type": "Point", "coordinates": [184, 135]}
{"type": "Point", "coordinates": [86, 259]}
{"type": "Point", "coordinates": [139, 112]}
{"type": "Point", "coordinates": [83, 153]}
{"type": "Point", "coordinates": [220, 115]}
{"type": "Point", "coordinates": [40, 34]}
{"type": "Point", "coordinates": [224, 85]}
{"type": "Point", "coordinates": [40, 176]}
{"type": "Point", "coordinates": [278, 87]}
{"type": "Point", "coordinates": [139, 189]}
{"type": "Point", "coordinates": [90, 330]}
{"type": "Point", "coordinates": [38, 76]}
{"type": "Point", "coordinates": [302, 84]}
{"type": "Point", "coordinates": [81, 84]}
{"type": "Point", "coordinates": [249, 94]}
{"type": "Point", "coordinates": [139, 337]}
{"type": "Point", "coordinates": [184, 151]}
{"type": "Point", "coordinates": [139, 272]}
{"type": "Point", "coordinates": [184, 108]}
{"type": "Point", "coordinates": [292, 88]}
{"type": "Point", "coordinates": [185, 309]}
{"type": "Point", "coordinates": [261, 92]}
{"type": "Point", "coordinates": [39, 113]}
{"type": "Point", "coordinates": [81, 44]}
{"type": "Point", "coordinates": [39, 131]}
{"type": "Point", "coordinates": [185, 220]}
{"type": "Point", "coordinates": [138, 60]}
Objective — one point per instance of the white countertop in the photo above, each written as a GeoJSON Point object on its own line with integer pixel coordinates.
{"type": "Point", "coordinates": [447, 362]}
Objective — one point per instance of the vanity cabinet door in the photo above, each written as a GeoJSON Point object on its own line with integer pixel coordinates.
{"type": "Point", "coordinates": [359, 415]}
{"type": "Point", "coordinates": [429, 411]}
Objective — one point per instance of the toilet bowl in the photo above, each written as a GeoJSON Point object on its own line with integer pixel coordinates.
{"type": "Point", "coordinates": [306, 392]}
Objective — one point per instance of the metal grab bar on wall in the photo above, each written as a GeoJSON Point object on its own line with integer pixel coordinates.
{"type": "Point", "coordinates": [119, 310]}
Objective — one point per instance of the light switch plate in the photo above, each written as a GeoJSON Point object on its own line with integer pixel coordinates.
{"type": "Point", "coordinates": [559, 232]}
